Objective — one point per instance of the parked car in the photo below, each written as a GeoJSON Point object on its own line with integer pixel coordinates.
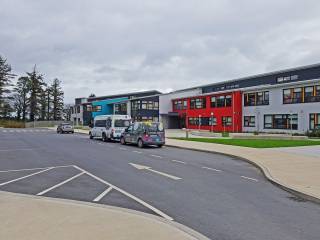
{"type": "Point", "coordinates": [109, 127]}
{"type": "Point", "coordinates": [144, 133]}
{"type": "Point", "coordinates": [65, 128]}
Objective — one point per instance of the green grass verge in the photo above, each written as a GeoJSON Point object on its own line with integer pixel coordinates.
{"type": "Point", "coordinates": [255, 143]}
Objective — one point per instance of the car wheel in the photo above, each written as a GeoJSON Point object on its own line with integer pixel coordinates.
{"type": "Point", "coordinates": [140, 143]}
{"type": "Point", "coordinates": [160, 146]}
{"type": "Point", "coordinates": [104, 137]}
{"type": "Point", "coordinates": [122, 141]}
{"type": "Point", "coordinates": [90, 135]}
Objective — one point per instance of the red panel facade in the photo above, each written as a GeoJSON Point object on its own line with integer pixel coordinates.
{"type": "Point", "coordinates": [223, 109]}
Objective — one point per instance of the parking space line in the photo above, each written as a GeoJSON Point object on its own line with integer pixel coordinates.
{"type": "Point", "coordinates": [156, 156]}
{"type": "Point", "coordinates": [59, 184]}
{"type": "Point", "coordinates": [157, 211]}
{"type": "Point", "coordinates": [97, 199]}
{"type": "Point", "coordinates": [252, 179]}
{"type": "Point", "coordinates": [30, 175]}
{"type": "Point", "coordinates": [122, 148]}
{"type": "Point", "coordinates": [30, 169]}
{"type": "Point", "coordinates": [178, 161]}
{"type": "Point", "coordinates": [17, 149]}
{"type": "Point", "coordinates": [212, 169]}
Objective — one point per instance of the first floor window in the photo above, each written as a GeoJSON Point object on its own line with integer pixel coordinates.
{"type": "Point", "coordinates": [226, 121]}
{"type": "Point", "coordinates": [314, 121]}
{"type": "Point", "coordinates": [249, 121]}
{"type": "Point", "coordinates": [281, 121]}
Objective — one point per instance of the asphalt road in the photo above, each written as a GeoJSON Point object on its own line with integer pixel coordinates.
{"type": "Point", "coordinates": [218, 196]}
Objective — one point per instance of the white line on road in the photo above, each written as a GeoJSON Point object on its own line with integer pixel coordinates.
{"type": "Point", "coordinates": [59, 184]}
{"type": "Point", "coordinates": [30, 169]}
{"type": "Point", "coordinates": [178, 161]}
{"type": "Point", "coordinates": [122, 148]}
{"type": "Point", "coordinates": [128, 195]}
{"type": "Point", "coordinates": [142, 167]}
{"type": "Point", "coordinates": [252, 179]}
{"type": "Point", "coordinates": [137, 152]}
{"type": "Point", "coordinates": [97, 199]}
{"type": "Point", "coordinates": [17, 179]}
{"type": "Point", "coordinates": [212, 169]}
{"type": "Point", "coordinates": [17, 149]}
{"type": "Point", "coordinates": [156, 156]}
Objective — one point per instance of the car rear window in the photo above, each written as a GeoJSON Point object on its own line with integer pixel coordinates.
{"type": "Point", "coordinates": [121, 123]}
{"type": "Point", "coordinates": [154, 127]}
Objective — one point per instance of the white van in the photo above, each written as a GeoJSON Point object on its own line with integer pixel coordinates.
{"type": "Point", "coordinates": [109, 127]}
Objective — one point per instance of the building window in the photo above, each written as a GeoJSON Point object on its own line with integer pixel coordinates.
{"type": "Point", "coordinates": [89, 108]}
{"type": "Point", "coordinates": [213, 102]}
{"type": "Point", "coordinates": [155, 105]}
{"type": "Point", "coordinates": [180, 104]}
{"type": "Point", "coordinates": [226, 121]}
{"type": "Point", "coordinates": [193, 121]}
{"type": "Point", "coordinates": [281, 121]}
{"type": "Point", "coordinates": [314, 121]}
{"type": "Point", "coordinates": [249, 121]}
{"type": "Point", "coordinates": [212, 121]}
{"type": "Point", "coordinates": [78, 109]}
{"type": "Point", "coordinates": [120, 108]}
{"type": "Point", "coordinates": [287, 78]}
{"type": "Point", "coordinates": [256, 98]}
{"type": "Point", "coordinates": [144, 105]}
{"type": "Point", "coordinates": [97, 108]}
{"type": "Point", "coordinates": [198, 103]}
{"type": "Point", "coordinates": [135, 105]}
{"type": "Point", "coordinates": [221, 101]}
{"type": "Point", "coordinates": [307, 94]}
{"type": "Point", "coordinates": [228, 101]}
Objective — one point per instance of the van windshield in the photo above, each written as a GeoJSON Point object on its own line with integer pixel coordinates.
{"type": "Point", "coordinates": [154, 127]}
{"type": "Point", "coordinates": [121, 123]}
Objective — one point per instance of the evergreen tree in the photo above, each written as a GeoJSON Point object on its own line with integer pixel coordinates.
{"type": "Point", "coordinates": [43, 104]}
{"type": "Point", "coordinates": [35, 83]}
{"type": "Point", "coordinates": [57, 99]}
{"type": "Point", "coordinates": [21, 97]}
{"type": "Point", "coordinates": [5, 82]}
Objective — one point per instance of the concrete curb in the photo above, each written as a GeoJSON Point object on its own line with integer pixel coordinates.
{"type": "Point", "coordinates": [189, 231]}
{"type": "Point", "coordinates": [265, 171]}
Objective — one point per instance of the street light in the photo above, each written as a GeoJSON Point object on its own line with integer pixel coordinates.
{"type": "Point", "coordinates": [211, 121]}
{"type": "Point", "coordinates": [199, 121]}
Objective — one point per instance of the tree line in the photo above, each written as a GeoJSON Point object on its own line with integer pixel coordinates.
{"type": "Point", "coordinates": [30, 98]}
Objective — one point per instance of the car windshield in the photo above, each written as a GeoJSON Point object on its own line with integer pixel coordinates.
{"type": "Point", "coordinates": [66, 124]}
{"type": "Point", "coordinates": [121, 123]}
{"type": "Point", "coordinates": [154, 126]}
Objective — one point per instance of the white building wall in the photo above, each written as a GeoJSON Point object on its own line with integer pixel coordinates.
{"type": "Point", "coordinates": [276, 106]}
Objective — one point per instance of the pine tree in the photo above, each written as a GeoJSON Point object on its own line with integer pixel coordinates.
{"type": "Point", "coordinates": [21, 97]}
{"type": "Point", "coordinates": [35, 83]}
{"type": "Point", "coordinates": [43, 104]}
{"type": "Point", "coordinates": [5, 82]}
{"type": "Point", "coordinates": [57, 99]}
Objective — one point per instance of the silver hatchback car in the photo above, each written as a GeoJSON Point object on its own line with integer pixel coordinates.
{"type": "Point", "coordinates": [65, 128]}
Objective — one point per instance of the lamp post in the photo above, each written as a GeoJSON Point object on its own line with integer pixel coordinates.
{"type": "Point", "coordinates": [211, 121]}
{"type": "Point", "coordinates": [291, 122]}
{"type": "Point", "coordinates": [199, 122]}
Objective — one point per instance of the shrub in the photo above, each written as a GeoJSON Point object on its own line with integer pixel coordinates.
{"type": "Point", "coordinates": [11, 124]}
{"type": "Point", "coordinates": [315, 133]}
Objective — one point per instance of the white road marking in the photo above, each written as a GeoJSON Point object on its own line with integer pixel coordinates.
{"type": "Point", "coordinates": [212, 169]}
{"type": "Point", "coordinates": [17, 149]}
{"type": "Point", "coordinates": [137, 152]}
{"type": "Point", "coordinates": [97, 199]}
{"type": "Point", "coordinates": [157, 211]}
{"type": "Point", "coordinates": [156, 156]}
{"type": "Point", "coordinates": [60, 184]}
{"type": "Point", "coordinates": [30, 169]}
{"type": "Point", "coordinates": [17, 179]}
{"type": "Point", "coordinates": [142, 167]}
{"type": "Point", "coordinates": [252, 179]}
{"type": "Point", "coordinates": [122, 148]}
{"type": "Point", "coordinates": [178, 161]}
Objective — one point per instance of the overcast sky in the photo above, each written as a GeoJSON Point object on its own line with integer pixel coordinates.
{"type": "Point", "coordinates": [116, 46]}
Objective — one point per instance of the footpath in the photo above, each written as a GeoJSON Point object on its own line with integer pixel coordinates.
{"type": "Point", "coordinates": [27, 217]}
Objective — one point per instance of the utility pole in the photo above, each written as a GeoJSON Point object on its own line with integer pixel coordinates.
{"type": "Point", "coordinates": [48, 104]}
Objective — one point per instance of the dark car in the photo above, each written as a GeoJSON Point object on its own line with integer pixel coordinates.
{"type": "Point", "coordinates": [65, 128]}
{"type": "Point", "coordinates": [144, 133]}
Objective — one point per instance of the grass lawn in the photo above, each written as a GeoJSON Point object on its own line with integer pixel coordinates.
{"type": "Point", "coordinates": [255, 143]}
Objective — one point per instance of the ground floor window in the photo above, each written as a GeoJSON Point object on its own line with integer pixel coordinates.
{"type": "Point", "coordinates": [226, 121]}
{"type": "Point", "coordinates": [281, 121]}
{"type": "Point", "coordinates": [314, 121]}
{"type": "Point", "coordinates": [145, 119]}
{"type": "Point", "coordinates": [204, 121]}
{"type": "Point", "coordinates": [249, 121]}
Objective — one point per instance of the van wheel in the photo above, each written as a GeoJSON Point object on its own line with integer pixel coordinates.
{"type": "Point", "coordinates": [160, 146]}
{"type": "Point", "coordinates": [122, 141]}
{"type": "Point", "coordinates": [140, 143]}
{"type": "Point", "coordinates": [90, 135]}
{"type": "Point", "coordinates": [104, 137]}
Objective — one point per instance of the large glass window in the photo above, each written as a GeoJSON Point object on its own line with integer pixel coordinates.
{"type": "Point", "coordinates": [297, 95]}
{"type": "Point", "coordinates": [198, 103]}
{"type": "Point", "coordinates": [144, 104]}
{"type": "Point", "coordinates": [249, 121]}
{"type": "Point", "coordinates": [256, 98]}
{"type": "Point", "coordinates": [120, 108]}
{"type": "Point", "coordinates": [179, 104]}
{"type": "Point", "coordinates": [301, 95]}
{"type": "Point", "coordinates": [213, 102]}
{"type": "Point", "coordinates": [314, 121]}
{"type": "Point", "coordinates": [228, 101]}
{"type": "Point", "coordinates": [193, 121]}
{"type": "Point", "coordinates": [226, 121]}
{"type": "Point", "coordinates": [281, 121]}
{"type": "Point", "coordinates": [221, 101]}
{"type": "Point", "coordinates": [97, 108]}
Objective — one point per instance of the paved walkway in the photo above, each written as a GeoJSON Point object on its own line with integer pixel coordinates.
{"type": "Point", "coordinates": [298, 172]}
{"type": "Point", "coordinates": [34, 218]}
